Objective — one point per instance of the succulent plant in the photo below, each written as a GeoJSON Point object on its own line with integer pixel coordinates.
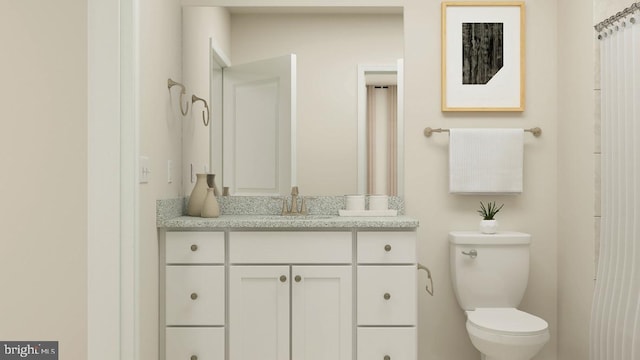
{"type": "Point", "coordinates": [489, 211]}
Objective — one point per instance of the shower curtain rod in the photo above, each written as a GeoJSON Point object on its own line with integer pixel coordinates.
{"type": "Point", "coordinates": [611, 20]}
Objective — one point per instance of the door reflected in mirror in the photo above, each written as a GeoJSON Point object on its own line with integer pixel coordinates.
{"type": "Point", "coordinates": [259, 119]}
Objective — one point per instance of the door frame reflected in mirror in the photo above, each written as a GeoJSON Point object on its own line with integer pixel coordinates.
{"type": "Point", "coordinates": [218, 61]}
{"type": "Point", "coordinates": [363, 72]}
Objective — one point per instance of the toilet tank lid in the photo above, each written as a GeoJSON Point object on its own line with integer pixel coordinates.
{"type": "Point", "coordinates": [478, 238]}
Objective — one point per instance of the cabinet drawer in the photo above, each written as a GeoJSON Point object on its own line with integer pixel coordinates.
{"type": "Point", "coordinates": [386, 247]}
{"type": "Point", "coordinates": [387, 295]}
{"type": "Point", "coordinates": [204, 343]}
{"type": "Point", "coordinates": [378, 343]}
{"type": "Point", "coordinates": [195, 247]}
{"type": "Point", "coordinates": [276, 247]}
{"type": "Point", "coordinates": [195, 295]}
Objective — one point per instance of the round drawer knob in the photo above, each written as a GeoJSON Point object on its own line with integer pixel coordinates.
{"type": "Point", "coordinates": [387, 296]}
{"type": "Point", "coordinates": [193, 357]}
{"type": "Point", "coordinates": [194, 296]}
{"type": "Point", "coordinates": [387, 357]}
{"type": "Point", "coordinates": [387, 248]}
{"type": "Point", "coordinates": [283, 278]}
{"type": "Point", "coordinates": [194, 247]}
{"type": "Point", "coordinates": [298, 278]}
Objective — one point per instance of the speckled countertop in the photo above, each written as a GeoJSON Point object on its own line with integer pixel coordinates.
{"type": "Point", "coordinates": [288, 222]}
{"type": "Point", "coordinates": [262, 213]}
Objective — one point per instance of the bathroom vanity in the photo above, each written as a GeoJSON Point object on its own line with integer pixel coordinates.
{"type": "Point", "coordinates": [278, 288]}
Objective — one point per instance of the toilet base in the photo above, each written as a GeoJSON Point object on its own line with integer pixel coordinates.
{"type": "Point", "coordinates": [485, 357]}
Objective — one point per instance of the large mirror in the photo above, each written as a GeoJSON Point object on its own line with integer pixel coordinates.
{"type": "Point", "coordinates": [346, 133]}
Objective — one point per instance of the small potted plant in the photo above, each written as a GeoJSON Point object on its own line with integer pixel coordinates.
{"type": "Point", "coordinates": [488, 224]}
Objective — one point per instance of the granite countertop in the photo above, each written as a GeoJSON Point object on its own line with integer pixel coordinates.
{"type": "Point", "coordinates": [288, 222]}
{"type": "Point", "coordinates": [256, 213]}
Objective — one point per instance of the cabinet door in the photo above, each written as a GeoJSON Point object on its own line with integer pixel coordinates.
{"type": "Point", "coordinates": [322, 312]}
{"type": "Point", "coordinates": [259, 312]}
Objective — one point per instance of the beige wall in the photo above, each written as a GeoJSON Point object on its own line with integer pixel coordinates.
{"type": "Point", "coordinates": [161, 140]}
{"type": "Point", "coordinates": [43, 154]}
{"type": "Point", "coordinates": [576, 185]}
{"type": "Point", "coordinates": [602, 9]}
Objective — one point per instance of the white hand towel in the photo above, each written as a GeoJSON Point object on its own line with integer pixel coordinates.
{"type": "Point", "coordinates": [486, 161]}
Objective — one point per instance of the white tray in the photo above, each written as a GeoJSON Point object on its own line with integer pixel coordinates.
{"type": "Point", "coordinates": [368, 212]}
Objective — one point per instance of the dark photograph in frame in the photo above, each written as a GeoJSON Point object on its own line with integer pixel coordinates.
{"type": "Point", "coordinates": [482, 52]}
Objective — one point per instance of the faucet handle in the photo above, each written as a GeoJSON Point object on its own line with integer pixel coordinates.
{"type": "Point", "coordinates": [285, 209]}
{"type": "Point", "coordinates": [303, 207]}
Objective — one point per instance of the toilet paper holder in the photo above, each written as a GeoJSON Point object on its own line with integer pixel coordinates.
{"type": "Point", "coordinates": [428, 288]}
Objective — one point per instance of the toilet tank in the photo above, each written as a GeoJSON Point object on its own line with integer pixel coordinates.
{"type": "Point", "coordinates": [497, 276]}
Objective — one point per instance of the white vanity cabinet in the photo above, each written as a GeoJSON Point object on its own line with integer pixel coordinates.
{"type": "Point", "coordinates": [288, 295]}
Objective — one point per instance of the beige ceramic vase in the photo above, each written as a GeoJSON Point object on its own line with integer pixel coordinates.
{"type": "Point", "coordinates": [199, 192]}
{"type": "Point", "coordinates": [211, 182]}
{"type": "Point", "coordinates": [210, 209]}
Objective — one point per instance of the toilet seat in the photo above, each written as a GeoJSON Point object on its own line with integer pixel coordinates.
{"type": "Point", "coordinates": [506, 321]}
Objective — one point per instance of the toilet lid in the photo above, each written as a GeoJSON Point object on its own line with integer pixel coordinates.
{"type": "Point", "coordinates": [508, 321]}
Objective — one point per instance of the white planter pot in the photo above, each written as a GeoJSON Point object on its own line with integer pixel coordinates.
{"type": "Point", "coordinates": [488, 226]}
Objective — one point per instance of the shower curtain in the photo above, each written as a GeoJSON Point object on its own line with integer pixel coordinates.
{"type": "Point", "coordinates": [615, 320]}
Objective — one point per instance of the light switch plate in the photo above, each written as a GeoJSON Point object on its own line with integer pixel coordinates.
{"type": "Point", "coordinates": [144, 170]}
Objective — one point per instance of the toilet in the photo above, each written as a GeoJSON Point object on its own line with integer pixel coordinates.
{"type": "Point", "coordinates": [489, 273]}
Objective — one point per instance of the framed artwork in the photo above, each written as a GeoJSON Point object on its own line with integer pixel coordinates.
{"type": "Point", "coordinates": [483, 56]}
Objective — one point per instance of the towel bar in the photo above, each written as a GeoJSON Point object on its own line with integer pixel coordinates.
{"type": "Point", "coordinates": [536, 131]}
